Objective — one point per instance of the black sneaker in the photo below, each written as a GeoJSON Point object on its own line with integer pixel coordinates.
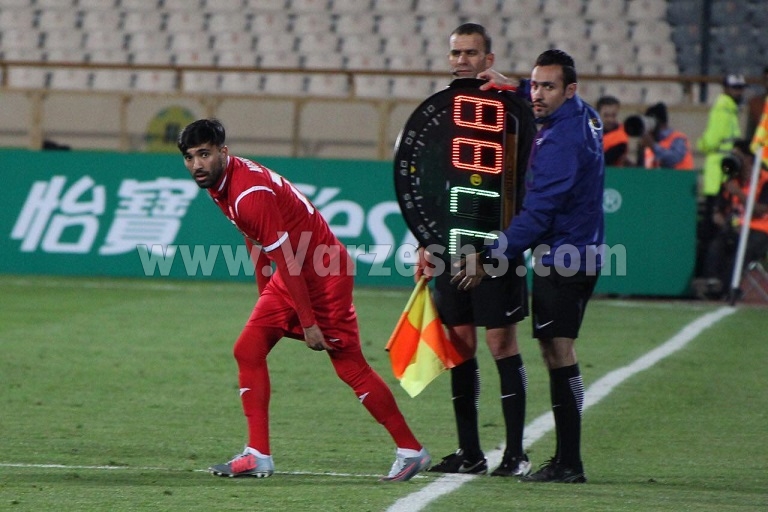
{"type": "Point", "coordinates": [557, 472]}
{"type": "Point", "coordinates": [457, 463]}
{"type": "Point", "coordinates": [513, 465]}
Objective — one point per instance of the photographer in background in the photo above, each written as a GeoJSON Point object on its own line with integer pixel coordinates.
{"type": "Point", "coordinates": [661, 146]}
{"type": "Point", "coordinates": [728, 216]}
{"type": "Point", "coordinates": [615, 139]}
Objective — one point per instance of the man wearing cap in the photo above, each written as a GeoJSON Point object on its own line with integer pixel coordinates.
{"type": "Point", "coordinates": [717, 141]}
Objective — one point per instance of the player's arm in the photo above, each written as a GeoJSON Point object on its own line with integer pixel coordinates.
{"type": "Point", "coordinates": [262, 265]}
{"type": "Point", "coordinates": [261, 218]}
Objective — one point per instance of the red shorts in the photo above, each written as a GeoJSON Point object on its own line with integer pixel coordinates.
{"type": "Point", "coordinates": [332, 305]}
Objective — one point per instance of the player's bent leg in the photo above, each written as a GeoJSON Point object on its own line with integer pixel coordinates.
{"type": "Point", "coordinates": [377, 398]}
{"type": "Point", "coordinates": [250, 351]}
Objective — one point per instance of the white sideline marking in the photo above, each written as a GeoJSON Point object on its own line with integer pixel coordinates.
{"type": "Point", "coordinates": [544, 423]}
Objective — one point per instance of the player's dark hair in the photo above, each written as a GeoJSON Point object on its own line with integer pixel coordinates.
{"type": "Point", "coordinates": [607, 101]}
{"type": "Point", "coordinates": [202, 131]}
{"type": "Point", "coordinates": [555, 57]}
{"type": "Point", "coordinates": [468, 29]}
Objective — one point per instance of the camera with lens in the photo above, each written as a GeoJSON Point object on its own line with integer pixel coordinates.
{"type": "Point", "coordinates": [636, 126]}
{"type": "Point", "coordinates": [655, 115]}
{"type": "Point", "coordinates": [731, 165]}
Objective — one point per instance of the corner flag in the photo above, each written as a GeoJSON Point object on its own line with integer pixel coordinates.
{"type": "Point", "coordinates": [418, 348]}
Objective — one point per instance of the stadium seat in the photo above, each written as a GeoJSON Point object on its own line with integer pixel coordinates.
{"type": "Point", "coordinates": [53, 4]}
{"type": "Point", "coordinates": [608, 30]}
{"type": "Point", "coordinates": [270, 22]}
{"type": "Point", "coordinates": [311, 23]}
{"type": "Point", "coordinates": [579, 49]}
{"type": "Point", "coordinates": [650, 32]}
{"type": "Point", "coordinates": [328, 85]}
{"type": "Point", "coordinates": [363, 61]}
{"type": "Point", "coordinates": [412, 87]}
{"type": "Point", "coordinates": [138, 41]}
{"type": "Point", "coordinates": [401, 7]}
{"type": "Point", "coordinates": [18, 19]}
{"type": "Point", "coordinates": [630, 93]}
{"type": "Point", "coordinates": [219, 22]}
{"type": "Point", "coordinates": [203, 82]}
{"type": "Point", "coordinates": [275, 42]}
{"type": "Point", "coordinates": [138, 5]}
{"type": "Point", "coordinates": [111, 80]}
{"type": "Point", "coordinates": [646, 10]}
{"type": "Point", "coordinates": [355, 44]}
{"type": "Point", "coordinates": [322, 60]}
{"type": "Point", "coordinates": [388, 25]}
{"type": "Point", "coordinates": [155, 81]}
{"type": "Point", "coordinates": [21, 54]}
{"type": "Point", "coordinates": [278, 59]}
{"type": "Point", "coordinates": [303, 6]}
{"type": "Point", "coordinates": [70, 79]}
{"type": "Point", "coordinates": [17, 3]}
{"type": "Point", "coordinates": [283, 84]}
{"type": "Point", "coordinates": [230, 41]}
{"type": "Point", "coordinates": [107, 55]}
{"type": "Point", "coordinates": [140, 21]}
{"type": "Point", "coordinates": [236, 58]}
{"type": "Point", "coordinates": [354, 23]}
{"type": "Point", "coordinates": [729, 12]}
{"type": "Point", "coordinates": [567, 29]}
{"type": "Point", "coordinates": [612, 10]}
{"type": "Point", "coordinates": [21, 38]}
{"type": "Point", "coordinates": [61, 38]}
{"type": "Point", "coordinates": [189, 41]}
{"type": "Point", "coordinates": [475, 7]}
{"type": "Point", "coordinates": [183, 21]}
{"type": "Point", "coordinates": [562, 8]}
{"type": "Point", "coordinates": [350, 6]}
{"type": "Point", "coordinates": [232, 7]}
{"type": "Point", "coordinates": [100, 19]}
{"type": "Point", "coordinates": [372, 86]}
{"type": "Point", "coordinates": [658, 69]}
{"type": "Point", "coordinates": [618, 52]}
{"type": "Point", "coordinates": [438, 25]}
{"type": "Point", "coordinates": [521, 8]}
{"type": "Point", "coordinates": [193, 57]}
{"type": "Point", "coordinates": [519, 27]}
{"type": "Point", "coordinates": [667, 92]}
{"type": "Point", "coordinates": [436, 7]}
{"type": "Point", "coordinates": [320, 42]}
{"type": "Point", "coordinates": [525, 51]}
{"type": "Point", "coordinates": [97, 5]}
{"type": "Point", "coordinates": [28, 78]}
{"type": "Point", "coordinates": [151, 57]}
{"type": "Point", "coordinates": [655, 52]}
{"type": "Point", "coordinates": [410, 63]}
{"type": "Point", "coordinates": [183, 5]}
{"type": "Point", "coordinates": [65, 55]}
{"type": "Point", "coordinates": [240, 83]}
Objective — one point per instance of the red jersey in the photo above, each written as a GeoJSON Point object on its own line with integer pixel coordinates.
{"type": "Point", "coordinates": [270, 211]}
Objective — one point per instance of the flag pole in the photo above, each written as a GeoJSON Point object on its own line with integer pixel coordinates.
{"type": "Point", "coordinates": [746, 220]}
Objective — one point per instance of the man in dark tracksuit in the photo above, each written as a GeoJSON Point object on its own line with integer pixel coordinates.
{"type": "Point", "coordinates": [562, 222]}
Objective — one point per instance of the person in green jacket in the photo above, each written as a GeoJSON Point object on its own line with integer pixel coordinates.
{"type": "Point", "coordinates": [717, 141]}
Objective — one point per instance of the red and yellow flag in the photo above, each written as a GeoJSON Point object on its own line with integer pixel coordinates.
{"type": "Point", "coordinates": [418, 349]}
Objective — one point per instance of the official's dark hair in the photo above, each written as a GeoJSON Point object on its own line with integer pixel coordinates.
{"type": "Point", "coordinates": [555, 57]}
{"type": "Point", "coordinates": [606, 101]}
{"type": "Point", "coordinates": [468, 29]}
{"type": "Point", "coordinates": [658, 112]}
{"type": "Point", "coordinates": [202, 131]}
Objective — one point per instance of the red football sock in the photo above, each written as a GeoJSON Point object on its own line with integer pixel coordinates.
{"type": "Point", "coordinates": [374, 394]}
{"type": "Point", "coordinates": [251, 351]}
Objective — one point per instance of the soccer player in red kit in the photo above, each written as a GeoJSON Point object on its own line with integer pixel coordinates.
{"type": "Point", "coordinates": [308, 297]}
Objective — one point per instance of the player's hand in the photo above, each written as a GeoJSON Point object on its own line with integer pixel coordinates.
{"type": "Point", "coordinates": [495, 80]}
{"type": "Point", "coordinates": [470, 274]}
{"type": "Point", "coordinates": [424, 266]}
{"type": "Point", "coordinates": [314, 338]}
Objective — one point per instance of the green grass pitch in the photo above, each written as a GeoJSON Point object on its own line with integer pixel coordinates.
{"type": "Point", "coordinates": [118, 394]}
